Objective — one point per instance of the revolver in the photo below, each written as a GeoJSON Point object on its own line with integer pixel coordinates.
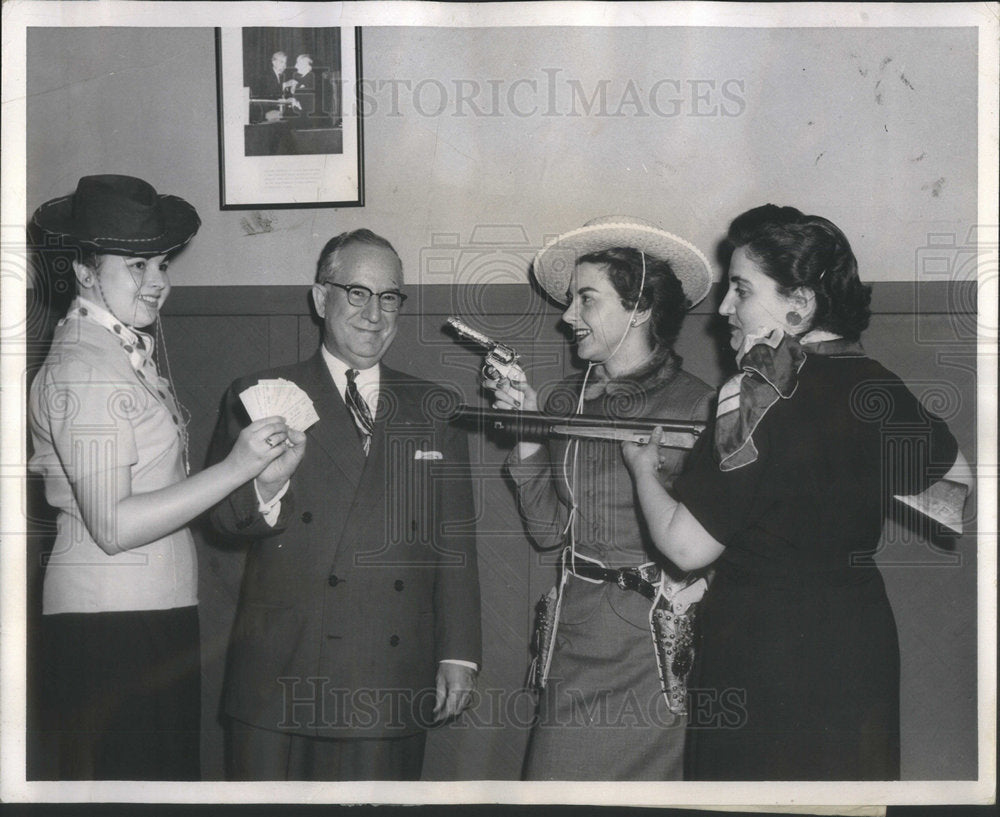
{"type": "Point", "coordinates": [501, 360]}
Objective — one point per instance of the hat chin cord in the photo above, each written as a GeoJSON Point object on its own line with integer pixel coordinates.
{"type": "Point", "coordinates": [569, 475]}
{"type": "Point", "coordinates": [107, 304]}
{"type": "Point", "coordinates": [629, 325]}
{"type": "Point", "coordinates": [161, 344]}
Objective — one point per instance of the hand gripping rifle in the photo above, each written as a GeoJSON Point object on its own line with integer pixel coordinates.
{"type": "Point", "coordinates": [538, 425]}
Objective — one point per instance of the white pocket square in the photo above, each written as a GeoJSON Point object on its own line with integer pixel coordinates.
{"type": "Point", "coordinates": [428, 455]}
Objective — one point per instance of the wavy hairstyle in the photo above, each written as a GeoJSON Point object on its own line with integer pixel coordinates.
{"type": "Point", "coordinates": [796, 250]}
{"type": "Point", "coordinates": [662, 292]}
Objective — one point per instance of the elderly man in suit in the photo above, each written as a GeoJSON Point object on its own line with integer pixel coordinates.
{"type": "Point", "coordinates": [358, 623]}
{"type": "Point", "coordinates": [302, 86]}
{"type": "Point", "coordinates": [271, 84]}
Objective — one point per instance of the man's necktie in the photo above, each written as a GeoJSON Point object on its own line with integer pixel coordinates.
{"type": "Point", "coordinates": [359, 409]}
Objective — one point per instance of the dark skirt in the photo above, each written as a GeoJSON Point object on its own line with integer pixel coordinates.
{"type": "Point", "coordinates": [795, 683]}
{"type": "Point", "coordinates": [120, 696]}
{"type": "Point", "coordinates": [603, 715]}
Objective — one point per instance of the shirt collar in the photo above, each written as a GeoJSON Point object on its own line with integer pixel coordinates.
{"type": "Point", "coordinates": [367, 380]}
{"type": "Point", "coordinates": [659, 369]}
{"type": "Point", "coordinates": [137, 345]}
{"type": "Point", "coordinates": [819, 336]}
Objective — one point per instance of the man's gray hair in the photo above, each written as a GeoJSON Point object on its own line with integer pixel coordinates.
{"type": "Point", "coordinates": [327, 267]}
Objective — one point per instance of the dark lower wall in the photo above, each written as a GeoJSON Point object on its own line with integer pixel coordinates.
{"type": "Point", "coordinates": [924, 333]}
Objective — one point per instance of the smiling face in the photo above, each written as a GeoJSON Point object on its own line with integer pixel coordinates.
{"type": "Point", "coordinates": [753, 304]}
{"type": "Point", "coordinates": [132, 289]}
{"type": "Point", "coordinates": [358, 335]}
{"type": "Point", "coordinates": [595, 313]}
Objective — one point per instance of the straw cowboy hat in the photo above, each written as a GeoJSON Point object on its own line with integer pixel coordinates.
{"type": "Point", "coordinates": [119, 215]}
{"type": "Point", "coordinates": [554, 263]}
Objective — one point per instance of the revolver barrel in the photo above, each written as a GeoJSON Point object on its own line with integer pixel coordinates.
{"type": "Point", "coordinates": [469, 333]}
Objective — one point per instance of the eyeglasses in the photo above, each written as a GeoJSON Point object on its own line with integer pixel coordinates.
{"type": "Point", "coordinates": [390, 300]}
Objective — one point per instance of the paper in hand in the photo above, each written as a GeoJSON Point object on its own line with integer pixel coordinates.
{"type": "Point", "coordinates": [282, 398]}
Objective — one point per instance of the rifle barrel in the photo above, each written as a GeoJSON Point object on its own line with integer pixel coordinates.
{"type": "Point", "coordinates": [540, 425]}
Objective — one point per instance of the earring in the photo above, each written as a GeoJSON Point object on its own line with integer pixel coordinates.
{"type": "Point", "coordinates": [793, 319]}
{"type": "Point", "coordinates": [634, 322]}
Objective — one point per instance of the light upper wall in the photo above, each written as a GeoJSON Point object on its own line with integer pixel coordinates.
{"type": "Point", "coordinates": [873, 128]}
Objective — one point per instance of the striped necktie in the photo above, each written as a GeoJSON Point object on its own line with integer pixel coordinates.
{"type": "Point", "coordinates": [359, 410]}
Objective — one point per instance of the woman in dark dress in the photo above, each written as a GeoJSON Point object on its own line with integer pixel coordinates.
{"type": "Point", "coordinates": [797, 668]}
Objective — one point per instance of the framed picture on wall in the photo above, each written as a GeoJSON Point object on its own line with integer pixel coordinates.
{"type": "Point", "coordinates": [290, 132]}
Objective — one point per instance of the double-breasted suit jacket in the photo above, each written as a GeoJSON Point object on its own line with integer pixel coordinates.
{"type": "Point", "coordinates": [369, 578]}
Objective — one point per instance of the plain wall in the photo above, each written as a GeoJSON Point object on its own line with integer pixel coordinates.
{"type": "Point", "coordinates": [871, 128]}
{"type": "Point", "coordinates": [874, 129]}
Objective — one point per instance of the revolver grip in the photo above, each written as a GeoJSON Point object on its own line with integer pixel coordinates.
{"type": "Point", "coordinates": [495, 371]}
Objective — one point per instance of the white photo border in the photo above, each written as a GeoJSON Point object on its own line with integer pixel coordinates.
{"type": "Point", "coordinates": [18, 16]}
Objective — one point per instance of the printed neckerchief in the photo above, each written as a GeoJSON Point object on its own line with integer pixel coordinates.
{"type": "Point", "coordinates": [770, 366]}
{"type": "Point", "coordinates": [138, 347]}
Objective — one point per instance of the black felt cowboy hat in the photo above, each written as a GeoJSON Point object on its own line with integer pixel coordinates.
{"type": "Point", "coordinates": [119, 215]}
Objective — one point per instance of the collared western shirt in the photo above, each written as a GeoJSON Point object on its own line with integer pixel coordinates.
{"type": "Point", "coordinates": [98, 405]}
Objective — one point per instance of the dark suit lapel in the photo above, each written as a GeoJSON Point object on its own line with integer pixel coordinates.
{"type": "Point", "coordinates": [335, 433]}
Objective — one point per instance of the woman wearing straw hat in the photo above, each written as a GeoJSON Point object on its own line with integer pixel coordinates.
{"type": "Point", "coordinates": [798, 663]}
{"type": "Point", "coordinates": [612, 699]}
{"type": "Point", "coordinates": [120, 666]}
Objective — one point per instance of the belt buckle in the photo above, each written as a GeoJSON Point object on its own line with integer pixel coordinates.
{"type": "Point", "coordinates": [622, 580]}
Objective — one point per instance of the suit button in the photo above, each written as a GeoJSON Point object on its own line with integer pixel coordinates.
{"type": "Point", "coordinates": [398, 584]}
{"type": "Point", "coordinates": [332, 580]}
{"type": "Point", "coordinates": [393, 640]}
{"type": "Point", "coordinates": [307, 517]}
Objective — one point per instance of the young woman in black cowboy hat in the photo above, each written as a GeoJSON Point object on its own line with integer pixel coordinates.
{"type": "Point", "coordinates": [798, 663]}
{"type": "Point", "coordinates": [120, 676]}
{"type": "Point", "coordinates": [612, 700]}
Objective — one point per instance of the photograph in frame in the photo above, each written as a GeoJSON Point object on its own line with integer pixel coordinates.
{"type": "Point", "coordinates": [290, 133]}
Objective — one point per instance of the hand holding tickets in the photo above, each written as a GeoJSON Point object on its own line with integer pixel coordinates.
{"type": "Point", "coordinates": [281, 398]}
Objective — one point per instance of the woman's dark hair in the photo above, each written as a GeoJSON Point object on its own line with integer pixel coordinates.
{"type": "Point", "coordinates": [662, 293]}
{"type": "Point", "coordinates": [796, 250]}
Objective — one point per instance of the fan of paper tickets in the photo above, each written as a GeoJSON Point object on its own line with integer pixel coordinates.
{"type": "Point", "coordinates": [281, 398]}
